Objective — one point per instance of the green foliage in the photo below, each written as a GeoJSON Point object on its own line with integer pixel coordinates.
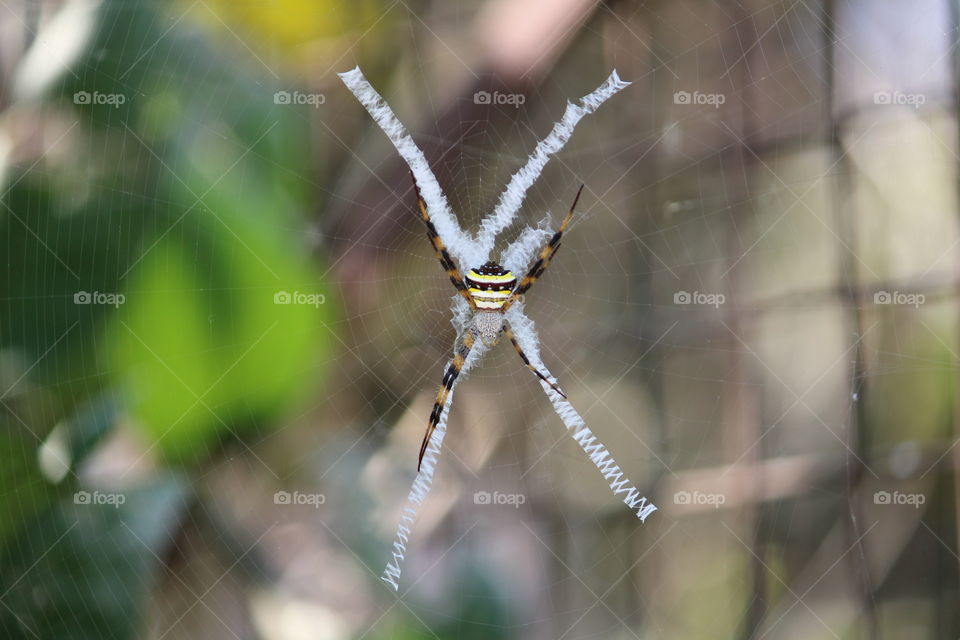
{"type": "Point", "coordinates": [215, 167]}
{"type": "Point", "coordinates": [189, 201]}
{"type": "Point", "coordinates": [82, 569]}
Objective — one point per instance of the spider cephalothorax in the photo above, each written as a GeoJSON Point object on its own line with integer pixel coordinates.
{"type": "Point", "coordinates": [490, 290]}
{"type": "Point", "coordinates": [490, 286]}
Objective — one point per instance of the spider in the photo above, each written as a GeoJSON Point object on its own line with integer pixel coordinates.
{"type": "Point", "coordinates": [489, 290]}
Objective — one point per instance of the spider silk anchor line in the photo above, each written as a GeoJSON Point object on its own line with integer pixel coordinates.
{"type": "Point", "coordinates": [483, 309]}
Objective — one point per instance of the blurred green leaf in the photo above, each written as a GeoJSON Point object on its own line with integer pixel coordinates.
{"type": "Point", "coordinates": [91, 422]}
{"type": "Point", "coordinates": [204, 183]}
{"type": "Point", "coordinates": [190, 197]}
{"type": "Point", "coordinates": [24, 489]}
{"type": "Point", "coordinates": [61, 576]}
{"type": "Point", "coordinates": [24, 441]}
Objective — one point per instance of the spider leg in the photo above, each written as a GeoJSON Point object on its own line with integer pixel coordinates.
{"type": "Point", "coordinates": [543, 260]}
{"type": "Point", "coordinates": [526, 361]}
{"type": "Point", "coordinates": [442, 254]}
{"type": "Point", "coordinates": [453, 370]}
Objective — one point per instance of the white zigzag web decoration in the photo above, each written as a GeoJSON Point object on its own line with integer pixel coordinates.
{"type": "Point", "coordinates": [471, 251]}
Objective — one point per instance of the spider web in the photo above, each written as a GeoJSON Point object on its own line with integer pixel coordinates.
{"type": "Point", "coordinates": [691, 203]}
{"type": "Point", "coordinates": [744, 199]}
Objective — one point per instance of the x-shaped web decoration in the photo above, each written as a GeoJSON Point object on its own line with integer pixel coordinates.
{"type": "Point", "coordinates": [472, 251]}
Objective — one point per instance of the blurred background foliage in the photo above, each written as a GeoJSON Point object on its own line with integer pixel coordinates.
{"type": "Point", "coordinates": [162, 405]}
{"type": "Point", "coordinates": [189, 200]}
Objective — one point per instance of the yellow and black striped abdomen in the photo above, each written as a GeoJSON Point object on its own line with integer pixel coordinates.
{"type": "Point", "coordinates": [490, 286]}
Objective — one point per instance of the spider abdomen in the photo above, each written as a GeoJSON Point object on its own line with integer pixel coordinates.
{"type": "Point", "coordinates": [490, 285]}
